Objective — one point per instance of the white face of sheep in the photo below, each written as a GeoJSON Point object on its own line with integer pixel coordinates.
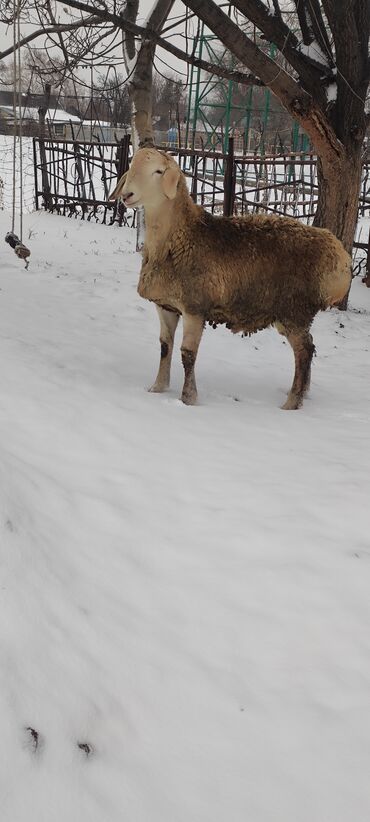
{"type": "Point", "coordinates": [151, 179]}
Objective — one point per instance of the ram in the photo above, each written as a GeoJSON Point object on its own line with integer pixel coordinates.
{"type": "Point", "coordinates": [245, 272]}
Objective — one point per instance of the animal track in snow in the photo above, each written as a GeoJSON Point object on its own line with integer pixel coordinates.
{"type": "Point", "coordinates": [86, 748]}
{"type": "Point", "coordinates": [34, 739]}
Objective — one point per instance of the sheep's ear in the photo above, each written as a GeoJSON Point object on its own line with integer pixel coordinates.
{"type": "Point", "coordinates": [169, 182]}
{"type": "Point", "coordinates": [117, 191]}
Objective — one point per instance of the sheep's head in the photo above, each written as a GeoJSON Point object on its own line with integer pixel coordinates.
{"type": "Point", "coordinates": [151, 179]}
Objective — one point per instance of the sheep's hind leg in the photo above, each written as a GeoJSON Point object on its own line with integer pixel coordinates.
{"type": "Point", "coordinates": [193, 329]}
{"type": "Point", "coordinates": [168, 324]}
{"type": "Point", "coordinates": [304, 349]}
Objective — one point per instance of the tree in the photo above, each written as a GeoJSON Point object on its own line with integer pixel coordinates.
{"type": "Point", "coordinates": [168, 99]}
{"type": "Point", "coordinates": [325, 89]}
{"type": "Point", "coordinates": [39, 68]}
{"type": "Point", "coordinates": [255, 109]}
{"type": "Point", "coordinates": [139, 66]}
{"type": "Point", "coordinates": [111, 100]}
{"type": "Point", "coordinates": [320, 74]}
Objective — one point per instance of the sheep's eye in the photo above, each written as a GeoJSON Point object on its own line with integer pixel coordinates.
{"type": "Point", "coordinates": [158, 171]}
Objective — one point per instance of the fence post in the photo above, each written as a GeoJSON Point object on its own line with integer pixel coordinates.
{"type": "Point", "coordinates": [366, 278]}
{"type": "Point", "coordinates": [35, 174]}
{"type": "Point", "coordinates": [46, 193]}
{"type": "Point", "coordinates": [80, 173]}
{"type": "Point", "coordinates": [194, 179]}
{"type": "Point", "coordinates": [122, 165]}
{"type": "Point", "coordinates": [122, 155]}
{"type": "Point", "coordinates": [229, 180]}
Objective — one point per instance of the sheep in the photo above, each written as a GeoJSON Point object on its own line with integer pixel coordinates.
{"type": "Point", "coordinates": [246, 272]}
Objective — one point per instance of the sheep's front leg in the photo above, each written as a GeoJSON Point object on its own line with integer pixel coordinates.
{"type": "Point", "coordinates": [193, 329]}
{"type": "Point", "coordinates": [168, 324]}
{"type": "Point", "coordinates": [304, 349]}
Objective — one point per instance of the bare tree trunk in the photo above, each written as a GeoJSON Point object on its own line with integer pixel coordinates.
{"type": "Point", "coordinates": [139, 67]}
{"type": "Point", "coordinates": [338, 204]}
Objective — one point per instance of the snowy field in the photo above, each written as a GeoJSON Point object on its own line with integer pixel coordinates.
{"type": "Point", "coordinates": [185, 592]}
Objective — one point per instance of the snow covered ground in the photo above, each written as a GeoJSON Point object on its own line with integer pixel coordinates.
{"type": "Point", "coordinates": [184, 592]}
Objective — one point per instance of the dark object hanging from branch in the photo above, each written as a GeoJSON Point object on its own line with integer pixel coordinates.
{"type": "Point", "coordinates": [20, 249]}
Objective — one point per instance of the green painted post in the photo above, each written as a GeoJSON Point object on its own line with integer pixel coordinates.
{"type": "Point", "coordinates": [265, 118]}
{"type": "Point", "coordinates": [295, 135]}
{"type": "Point", "coordinates": [267, 104]}
{"type": "Point", "coordinates": [305, 143]}
{"type": "Point", "coordinates": [248, 118]}
{"type": "Point", "coordinates": [191, 81]}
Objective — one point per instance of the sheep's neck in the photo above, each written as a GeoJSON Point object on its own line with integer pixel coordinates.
{"type": "Point", "coordinates": [160, 222]}
{"type": "Point", "coordinates": [157, 227]}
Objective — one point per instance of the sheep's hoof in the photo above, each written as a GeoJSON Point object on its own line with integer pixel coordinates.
{"type": "Point", "coordinates": [157, 388]}
{"type": "Point", "coordinates": [189, 399]}
{"type": "Point", "coordinates": [292, 404]}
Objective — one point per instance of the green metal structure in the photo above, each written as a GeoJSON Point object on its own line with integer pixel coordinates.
{"type": "Point", "coordinates": [215, 108]}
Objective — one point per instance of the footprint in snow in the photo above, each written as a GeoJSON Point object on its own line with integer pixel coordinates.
{"type": "Point", "coordinates": [9, 526]}
{"type": "Point", "coordinates": [86, 748]}
{"type": "Point", "coordinates": [34, 740]}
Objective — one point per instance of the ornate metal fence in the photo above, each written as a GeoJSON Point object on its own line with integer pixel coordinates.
{"type": "Point", "coordinates": [278, 183]}
{"type": "Point", "coordinates": [237, 184]}
{"type": "Point", "coordinates": [75, 178]}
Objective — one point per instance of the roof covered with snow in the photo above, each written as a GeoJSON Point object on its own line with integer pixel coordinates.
{"type": "Point", "coordinates": [56, 115]}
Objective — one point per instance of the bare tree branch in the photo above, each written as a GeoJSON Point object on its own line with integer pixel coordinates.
{"type": "Point", "coordinates": [54, 29]}
{"type": "Point", "coordinates": [307, 35]}
{"type": "Point", "coordinates": [298, 102]}
{"type": "Point", "coordinates": [129, 14]}
{"type": "Point", "coordinates": [319, 27]}
{"type": "Point", "coordinates": [60, 38]}
{"type": "Point", "coordinates": [142, 77]}
{"type": "Point", "coordinates": [243, 78]}
{"type": "Point", "coordinates": [275, 30]}
{"type": "Point", "coordinates": [277, 8]}
{"type": "Point", "coordinates": [350, 23]}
